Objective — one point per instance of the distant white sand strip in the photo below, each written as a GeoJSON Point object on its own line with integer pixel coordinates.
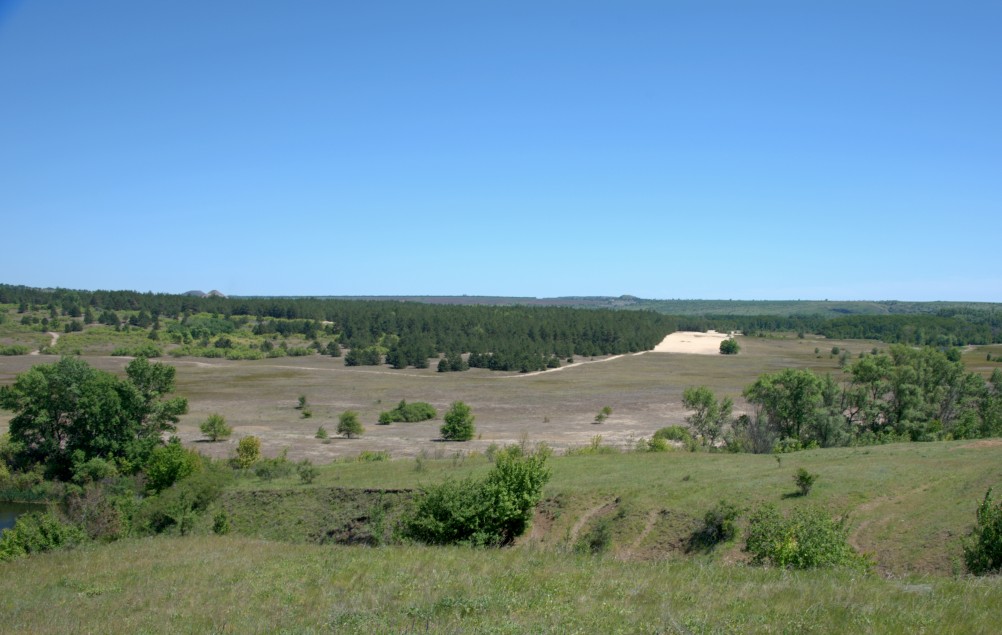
{"type": "Point", "coordinates": [692, 343]}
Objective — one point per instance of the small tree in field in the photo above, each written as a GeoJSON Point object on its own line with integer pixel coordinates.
{"type": "Point", "coordinates": [729, 347]}
{"type": "Point", "coordinates": [805, 481]}
{"type": "Point", "coordinates": [983, 553]}
{"type": "Point", "coordinates": [710, 415]}
{"type": "Point", "coordinates": [458, 423]}
{"type": "Point", "coordinates": [248, 452]}
{"type": "Point", "coordinates": [349, 425]}
{"type": "Point", "coordinates": [215, 428]}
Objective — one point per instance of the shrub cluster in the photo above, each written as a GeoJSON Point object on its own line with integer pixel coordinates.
{"type": "Point", "coordinates": [983, 552]}
{"type": "Point", "coordinates": [487, 512]}
{"type": "Point", "coordinates": [808, 538]}
{"type": "Point", "coordinates": [37, 532]}
{"type": "Point", "coordinates": [408, 412]}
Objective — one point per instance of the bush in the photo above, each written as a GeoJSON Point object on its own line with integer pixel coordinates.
{"type": "Point", "coordinates": [168, 464]}
{"type": "Point", "coordinates": [598, 539]}
{"type": "Point", "coordinates": [94, 470]}
{"type": "Point", "coordinates": [729, 347]}
{"type": "Point", "coordinates": [719, 525]}
{"type": "Point", "coordinates": [179, 506]}
{"type": "Point", "coordinates": [349, 424]}
{"type": "Point", "coordinates": [458, 423]}
{"type": "Point", "coordinates": [804, 480]}
{"type": "Point", "coordinates": [248, 452]}
{"type": "Point", "coordinates": [269, 469]}
{"type": "Point", "coordinates": [680, 434]}
{"type": "Point", "coordinates": [148, 351]}
{"type": "Point", "coordinates": [36, 532]}
{"type": "Point", "coordinates": [322, 433]}
{"type": "Point", "coordinates": [657, 444]}
{"type": "Point", "coordinates": [215, 428]}
{"type": "Point", "coordinates": [488, 512]}
{"type": "Point", "coordinates": [307, 472]}
{"type": "Point", "coordinates": [674, 433]}
{"type": "Point", "coordinates": [408, 412]}
{"type": "Point", "coordinates": [809, 538]}
{"type": "Point", "coordinates": [983, 551]}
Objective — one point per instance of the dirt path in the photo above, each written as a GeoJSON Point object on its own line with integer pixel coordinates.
{"type": "Point", "coordinates": [869, 506]}
{"type": "Point", "coordinates": [588, 515]}
{"type": "Point", "coordinates": [560, 368]}
{"type": "Point", "coordinates": [52, 344]}
{"type": "Point", "coordinates": [392, 373]}
{"type": "Point", "coordinates": [652, 518]}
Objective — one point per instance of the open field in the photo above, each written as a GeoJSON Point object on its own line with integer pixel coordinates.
{"type": "Point", "coordinates": [241, 585]}
{"type": "Point", "coordinates": [559, 407]}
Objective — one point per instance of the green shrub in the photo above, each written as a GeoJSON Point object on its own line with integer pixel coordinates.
{"type": "Point", "coordinates": [307, 472]}
{"type": "Point", "coordinates": [36, 532]}
{"type": "Point", "coordinates": [408, 412]}
{"type": "Point", "coordinates": [146, 350]}
{"type": "Point", "coordinates": [221, 523]}
{"type": "Point", "coordinates": [248, 452]}
{"type": "Point", "coordinates": [804, 481]}
{"type": "Point", "coordinates": [322, 433]}
{"type": "Point", "coordinates": [215, 428]}
{"type": "Point", "coordinates": [96, 469]}
{"type": "Point", "coordinates": [598, 539]}
{"type": "Point", "coordinates": [269, 469]}
{"type": "Point", "coordinates": [674, 433]}
{"type": "Point", "coordinates": [657, 444]}
{"type": "Point", "coordinates": [178, 507]}
{"type": "Point", "coordinates": [730, 347]}
{"type": "Point", "coordinates": [168, 464]}
{"type": "Point", "coordinates": [14, 349]}
{"type": "Point", "coordinates": [458, 423]}
{"type": "Point", "coordinates": [349, 425]}
{"type": "Point", "coordinates": [719, 525]}
{"type": "Point", "coordinates": [808, 538]}
{"type": "Point", "coordinates": [488, 512]}
{"type": "Point", "coordinates": [370, 456]}
{"type": "Point", "coordinates": [983, 551]}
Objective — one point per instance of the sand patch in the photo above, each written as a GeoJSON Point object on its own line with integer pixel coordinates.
{"type": "Point", "coordinates": [692, 343]}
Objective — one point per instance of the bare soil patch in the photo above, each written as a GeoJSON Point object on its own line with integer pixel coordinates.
{"type": "Point", "coordinates": [692, 343]}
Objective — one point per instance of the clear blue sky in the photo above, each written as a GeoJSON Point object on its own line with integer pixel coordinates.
{"type": "Point", "coordinates": [667, 149]}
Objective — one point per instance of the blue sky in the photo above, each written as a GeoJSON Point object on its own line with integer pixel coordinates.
{"type": "Point", "coordinates": [669, 149]}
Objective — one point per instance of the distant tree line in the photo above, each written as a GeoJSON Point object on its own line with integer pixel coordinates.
{"type": "Point", "coordinates": [506, 337]}
{"type": "Point", "coordinates": [401, 334]}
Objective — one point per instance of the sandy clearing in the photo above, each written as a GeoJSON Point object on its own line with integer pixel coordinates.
{"type": "Point", "coordinates": [692, 343]}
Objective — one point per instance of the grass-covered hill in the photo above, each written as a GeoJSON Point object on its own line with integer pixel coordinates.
{"type": "Point", "coordinates": [609, 551]}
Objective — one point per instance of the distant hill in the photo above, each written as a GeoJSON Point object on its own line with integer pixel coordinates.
{"type": "Point", "coordinates": [202, 294]}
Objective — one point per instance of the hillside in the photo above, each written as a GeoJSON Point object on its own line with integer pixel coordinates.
{"type": "Point", "coordinates": [909, 505]}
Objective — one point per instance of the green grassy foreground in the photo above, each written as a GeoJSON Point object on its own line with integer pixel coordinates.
{"type": "Point", "coordinates": [241, 585]}
{"type": "Point", "coordinates": [909, 506]}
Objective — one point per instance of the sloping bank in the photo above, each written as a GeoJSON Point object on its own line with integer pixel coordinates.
{"type": "Point", "coordinates": [335, 515]}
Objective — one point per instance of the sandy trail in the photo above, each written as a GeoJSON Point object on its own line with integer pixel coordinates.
{"type": "Point", "coordinates": [52, 344]}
